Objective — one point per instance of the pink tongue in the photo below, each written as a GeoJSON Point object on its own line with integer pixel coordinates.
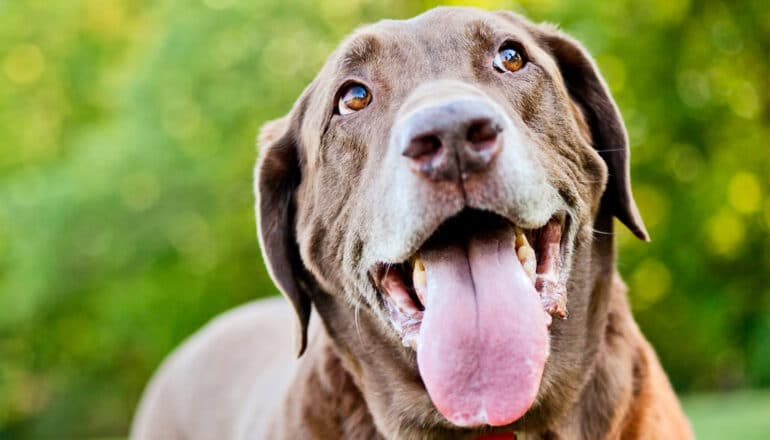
{"type": "Point", "coordinates": [484, 336]}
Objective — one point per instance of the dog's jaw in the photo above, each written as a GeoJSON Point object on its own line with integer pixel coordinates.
{"type": "Point", "coordinates": [408, 289]}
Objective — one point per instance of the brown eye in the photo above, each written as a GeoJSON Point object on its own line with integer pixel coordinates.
{"type": "Point", "coordinates": [508, 58]}
{"type": "Point", "coordinates": [354, 97]}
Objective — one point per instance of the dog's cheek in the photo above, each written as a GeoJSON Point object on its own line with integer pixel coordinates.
{"type": "Point", "coordinates": [579, 172]}
{"type": "Point", "coordinates": [594, 173]}
{"type": "Point", "coordinates": [329, 235]}
{"type": "Point", "coordinates": [356, 283]}
{"type": "Point", "coordinates": [316, 235]}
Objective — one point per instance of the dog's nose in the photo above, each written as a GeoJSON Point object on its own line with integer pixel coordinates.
{"type": "Point", "coordinates": [452, 139]}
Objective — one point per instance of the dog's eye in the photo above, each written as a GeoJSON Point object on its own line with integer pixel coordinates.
{"type": "Point", "coordinates": [508, 58]}
{"type": "Point", "coordinates": [354, 97]}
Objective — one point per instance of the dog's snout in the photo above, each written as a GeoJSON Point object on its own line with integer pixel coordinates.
{"type": "Point", "coordinates": [452, 139]}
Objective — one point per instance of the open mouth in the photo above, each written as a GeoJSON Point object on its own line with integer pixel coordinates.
{"type": "Point", "coordinates": [475, 302]}
{"type": "Point", "coordinates": [540, 252]}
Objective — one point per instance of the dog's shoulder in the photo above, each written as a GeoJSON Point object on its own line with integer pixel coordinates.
{"type": "Point", "coordinates": [654, 411]}
{"type": "Point", "coordinates": [649, 409]}
{"type": "Point", "coordinates": [201, 386]}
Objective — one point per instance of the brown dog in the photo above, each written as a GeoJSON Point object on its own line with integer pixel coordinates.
{"type": "Point", "coordinates": [443, 195]}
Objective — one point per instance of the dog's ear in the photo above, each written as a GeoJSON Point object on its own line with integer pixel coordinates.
{"type": "Point", "coordinates": [277, 177]}
{"type": "Point", "coordinates": [587, 88]}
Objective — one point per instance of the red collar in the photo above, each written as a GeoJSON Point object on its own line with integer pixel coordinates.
{"type": "Point", "coordinates": [500, 436]}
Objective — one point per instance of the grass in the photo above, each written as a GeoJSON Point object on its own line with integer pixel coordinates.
{"type": "Point", "coordinates": [741, 415]}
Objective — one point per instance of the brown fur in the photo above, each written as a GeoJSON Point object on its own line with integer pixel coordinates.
{"type": "Point", "coordinates": [324, 193]}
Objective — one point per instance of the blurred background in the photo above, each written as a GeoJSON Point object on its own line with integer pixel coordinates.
{"type": "Point", "coordinates": [127, 133]}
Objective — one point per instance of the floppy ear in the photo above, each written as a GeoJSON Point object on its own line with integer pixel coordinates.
{"type": "Point", "coordinates": [588, 90]}
{"type": "Point", "coordinates": [277, 176]}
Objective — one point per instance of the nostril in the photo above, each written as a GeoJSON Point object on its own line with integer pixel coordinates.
{"type": "Point", "coordinates": [483, 134]}
{"type": "Point", "coordinates": [426, 145]}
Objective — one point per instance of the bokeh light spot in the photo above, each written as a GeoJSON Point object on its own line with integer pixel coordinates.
{"type": "Point", "coordinates": [190, 234]}
{"type": "Point", "coordinates": [726, 36]}
{"type": "Point", "coordinates": [744, 101]}
{"type": "Point", "coordinates": [24, 64]}
{"type": "Point", "coordinates": [693, 88]}
{"type": "Point", "coordinates": [684, 162]}
{"type": "Point", "coordinates": [653, 204]}
{"type": "Point", "coordinates": [726, 234]}
{"type": "Point", "coordinates": [40, 135]}
{"type": "Point", "coordinates": [744, 192]}
{"type": "Point", "coordinates": [180, 118]}
{"type": "Point", "coordinates": [105, 18]}
{"type": "Point", "coordinates": [650, 281]}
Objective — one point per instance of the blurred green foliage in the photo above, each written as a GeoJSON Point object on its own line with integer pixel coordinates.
{"type": "Point", "coordinates": [735, 415]}
{"type": "Point", "coordinates": [127, 134]}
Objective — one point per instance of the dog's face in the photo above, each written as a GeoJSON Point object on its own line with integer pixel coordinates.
{"type": "Point", "coordinates": [443, 176]}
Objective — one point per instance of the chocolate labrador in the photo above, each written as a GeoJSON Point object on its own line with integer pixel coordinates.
{"type": "Point", "coordinates": [442, 196]}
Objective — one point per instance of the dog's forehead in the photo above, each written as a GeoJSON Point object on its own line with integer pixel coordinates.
{"type": "Point", "coordinates": [433, 34]}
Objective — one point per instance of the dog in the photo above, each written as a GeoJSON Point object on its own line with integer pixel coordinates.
{"type": "Point", "coordinates": [441, 197]}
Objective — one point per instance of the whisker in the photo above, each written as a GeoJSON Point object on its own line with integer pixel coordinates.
{"type": "Point", "coordinates": [355, 320]}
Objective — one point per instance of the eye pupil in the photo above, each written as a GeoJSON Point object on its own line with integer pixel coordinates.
{"type": "Point", "coordinates": [353, 98]}
{"type": "Point", "coordinates": [356, 97]}
{"type": "Point", "coordinates": [511, 55]}
{"type": "Point", "coordinates": [508, 59]}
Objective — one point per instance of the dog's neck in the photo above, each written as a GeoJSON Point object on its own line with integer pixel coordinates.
{"type": "Point", "coordinates": [326, 403]}
{"type": "Point", "coordinates": [338, 405]}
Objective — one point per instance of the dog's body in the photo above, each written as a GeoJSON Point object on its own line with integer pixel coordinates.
{"type": "Point", "coordinates": [404, 215]}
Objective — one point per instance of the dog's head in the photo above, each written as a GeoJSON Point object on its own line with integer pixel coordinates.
{"type": "Point", "coordinates": [444, 176]}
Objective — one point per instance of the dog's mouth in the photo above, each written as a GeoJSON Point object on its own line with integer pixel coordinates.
{"type": "Point", "coordinates": [475, 301]}
{"type": "Point", "coordinates": [540, 252]}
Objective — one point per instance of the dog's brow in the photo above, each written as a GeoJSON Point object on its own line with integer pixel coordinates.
{"type": "Point", "coordinates": [481, 33]}
{"type": "Point", "coordinates": [361, 50]}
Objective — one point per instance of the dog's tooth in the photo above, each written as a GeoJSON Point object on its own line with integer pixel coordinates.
{"type": "Point", "coordinates": [419, 279]}
{"type": "Point", "coordinates": [528, 260]}
{"type": "Point", "coordinates": [525, 253]}
{"type": "Point", "coordinates": [418, 274]}
{"type": "Point", "coordinates": [520, 239]}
